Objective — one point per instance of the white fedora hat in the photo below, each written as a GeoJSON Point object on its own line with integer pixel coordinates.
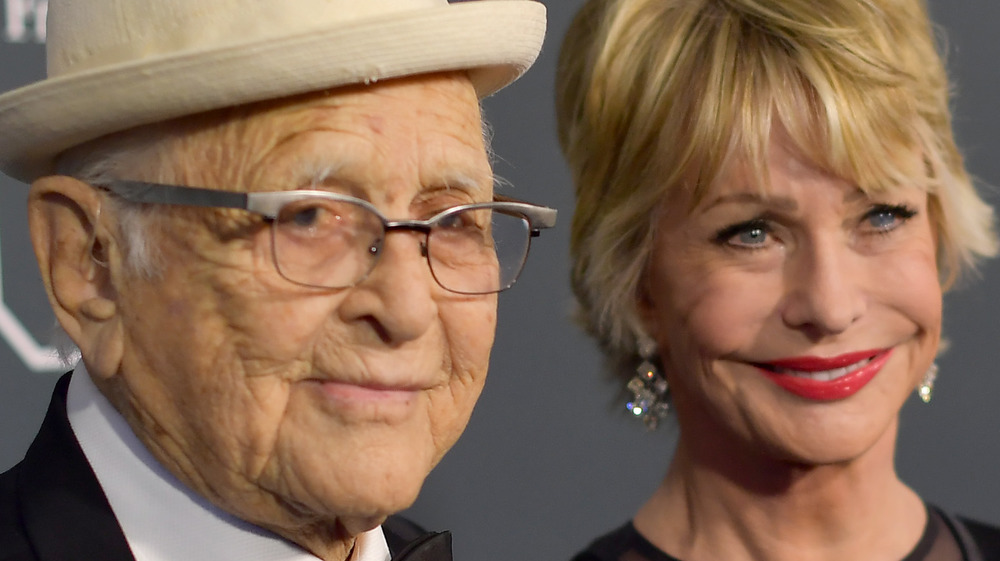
{"type": "Point", "coordinates": [117, 64]}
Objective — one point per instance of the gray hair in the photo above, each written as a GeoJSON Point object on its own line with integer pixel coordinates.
{"type": "Point", "coordinates": [97, 163]}
{"type": "Point", "coordinates": [105, 160]}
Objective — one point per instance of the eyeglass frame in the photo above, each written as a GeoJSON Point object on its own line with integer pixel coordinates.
{"type": "Point", "coordinates": [268, 204]}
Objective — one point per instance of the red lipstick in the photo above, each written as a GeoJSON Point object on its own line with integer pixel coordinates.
{"type": "Point", "coordinates": [819, 388]}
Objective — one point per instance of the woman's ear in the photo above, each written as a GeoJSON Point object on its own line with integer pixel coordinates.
{"type": "Point", "coordinates": [75, 253]}
{"type": "Point", "coordinates": [645, 307]}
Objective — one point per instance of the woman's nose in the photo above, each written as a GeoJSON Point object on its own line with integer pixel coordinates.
{"type": "Point", "coordinates": [825, 291]}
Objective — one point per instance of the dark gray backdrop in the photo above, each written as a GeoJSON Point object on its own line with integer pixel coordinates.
{"type": "Point", "coordinates": [549, 459]}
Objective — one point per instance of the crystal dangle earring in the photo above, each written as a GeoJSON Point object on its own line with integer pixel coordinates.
{"type": "Point", "coordinates": [926, 388]}
{"type": "Point", "coordinates": [650, 391]}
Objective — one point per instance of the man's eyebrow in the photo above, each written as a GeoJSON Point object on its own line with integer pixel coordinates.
{"type": "Point", "coordinates": [330, 172]}
{"type": "Point", "coordinates": [467, 182]}
{"type": "Point", "coordinates": [782, 203]}
{"type": "Point", "coordinates": [319, 173]}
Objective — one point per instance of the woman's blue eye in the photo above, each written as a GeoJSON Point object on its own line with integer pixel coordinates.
{"type": "Point", "coordinates": [885, 218]}
{"type": "Point", "coordinates": [753, 236]}
{"type": "Point", "coordinates": [753, 233]}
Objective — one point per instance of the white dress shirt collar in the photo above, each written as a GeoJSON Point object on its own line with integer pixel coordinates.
{"type": "Point", "coordinates": [161, 518]}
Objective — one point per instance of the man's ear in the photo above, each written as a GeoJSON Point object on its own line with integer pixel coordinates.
{"type": "Point", "coordinates": [78, 258]}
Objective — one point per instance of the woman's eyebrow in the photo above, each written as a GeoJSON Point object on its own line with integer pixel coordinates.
{"type": "Point", "coordinates": [783, 203]}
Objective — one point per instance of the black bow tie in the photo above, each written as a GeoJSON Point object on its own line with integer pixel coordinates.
{"type": "Point", "coordinates": [435, 546]}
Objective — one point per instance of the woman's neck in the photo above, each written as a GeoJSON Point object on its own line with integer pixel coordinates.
{"type": "Point", "coordinates": [737, 506]}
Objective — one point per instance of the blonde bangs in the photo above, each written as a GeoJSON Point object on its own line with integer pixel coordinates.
{"type": "Point", "coordinates": [848, 112]}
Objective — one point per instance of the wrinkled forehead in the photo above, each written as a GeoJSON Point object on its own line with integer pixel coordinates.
{"type": "Point", "coordinates": [426, 128]}
{"type": "Point", "coordinates": [430, 122]}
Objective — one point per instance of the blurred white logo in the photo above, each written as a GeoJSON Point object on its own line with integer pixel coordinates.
{"type": "Point", "coordinates": [36, 357]}
{"type": "Point", "coordinates": [24, 20]}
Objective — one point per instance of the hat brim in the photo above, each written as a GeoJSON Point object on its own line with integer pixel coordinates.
{"type": "Point", "coordinates": [495, 42]}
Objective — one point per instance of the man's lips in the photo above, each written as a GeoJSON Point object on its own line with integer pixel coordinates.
{"type": "Point", "coordinates": [826, 379]}
{"type": "Point", "coordinates": [360, 393]}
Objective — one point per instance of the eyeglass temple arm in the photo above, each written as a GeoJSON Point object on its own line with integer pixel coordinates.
{"type": "Point", "coordinates": [156, 193]}
{"type": "Point", "coordinates": [540, 217]}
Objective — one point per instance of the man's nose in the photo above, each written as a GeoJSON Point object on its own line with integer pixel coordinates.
{"type": "Point", "coordinates": [399, 292]}
{"type": "Point", "coordinates": [825, 291]}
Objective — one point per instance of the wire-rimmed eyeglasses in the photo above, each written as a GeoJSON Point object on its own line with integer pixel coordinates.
{"type": "Point", "coordinates": [329, 240]}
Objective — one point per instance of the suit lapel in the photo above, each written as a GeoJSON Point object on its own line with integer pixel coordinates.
{"type": "Point", "coordinates": [408, 541]}
{"type": "Point", "coordinates": [66, 514]}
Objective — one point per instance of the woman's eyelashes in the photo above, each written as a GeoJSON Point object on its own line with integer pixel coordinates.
{"type": "Point", "coordinates": [755, 233]}
{"type": "Point", "coordinates": [884, 218]}
{"type": "Point", "coordinates": [759, 232]}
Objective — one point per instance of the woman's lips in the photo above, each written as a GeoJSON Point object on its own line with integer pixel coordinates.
{"type": "Point", "coordinates": [826, 379]}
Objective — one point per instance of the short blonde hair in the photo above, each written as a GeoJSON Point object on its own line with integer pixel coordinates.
{"type": "Point", "coordinates": [659, 95]}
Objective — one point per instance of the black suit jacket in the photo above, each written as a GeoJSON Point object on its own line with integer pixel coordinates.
{"type": "Point", "coordinates": [53, 509]}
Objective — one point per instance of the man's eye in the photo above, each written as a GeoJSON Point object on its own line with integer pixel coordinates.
{"type": "Point", "coordinates": [313, 214]}
{"type": "Point", "coordinates": [320, 219]}
{"type": "Point", "coordinates": [305, 217]}
{"type": "Point", "coordinates": [886, 218]}
{"type": "Point", "coordinates": [751, 234]}
{"type": "Point", "coordinates": [456, 221]}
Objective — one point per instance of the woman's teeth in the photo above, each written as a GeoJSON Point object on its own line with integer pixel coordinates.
{"type": "Point", "coordinates": [822, 375]}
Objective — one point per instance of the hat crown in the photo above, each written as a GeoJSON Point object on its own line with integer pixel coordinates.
{"type": "Point", "coordinates": [87, 35]}
{"type": "Point", "coordinates": [118, 64]}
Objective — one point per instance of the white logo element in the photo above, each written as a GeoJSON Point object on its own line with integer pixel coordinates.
{"type": "Point", "coordinates": [36, 357]}
{"type": "Point", "coordinates": [25, 20]}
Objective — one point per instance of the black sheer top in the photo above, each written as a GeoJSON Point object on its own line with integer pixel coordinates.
{"type": "Point", "coordinates": [945, 538]}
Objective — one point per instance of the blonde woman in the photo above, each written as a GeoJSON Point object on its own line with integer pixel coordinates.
{"type": "Point", "coordinates": [770, 207]}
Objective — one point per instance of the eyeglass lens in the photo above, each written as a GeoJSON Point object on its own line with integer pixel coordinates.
{"type": "Point", "coordinates": [336, 244]}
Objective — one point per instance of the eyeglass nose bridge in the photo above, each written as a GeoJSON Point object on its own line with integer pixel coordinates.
{"type": "Point", "coordinates": [401, 225]}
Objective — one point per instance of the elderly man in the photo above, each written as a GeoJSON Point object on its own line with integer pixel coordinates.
{"type": "Point", "coordinates": [270, 229]}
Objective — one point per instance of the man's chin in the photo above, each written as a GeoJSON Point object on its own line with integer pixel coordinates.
{"type": "Point", "coordinates": [361, 524]}
{"type": "Point", "coordinates": [368, 500]}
